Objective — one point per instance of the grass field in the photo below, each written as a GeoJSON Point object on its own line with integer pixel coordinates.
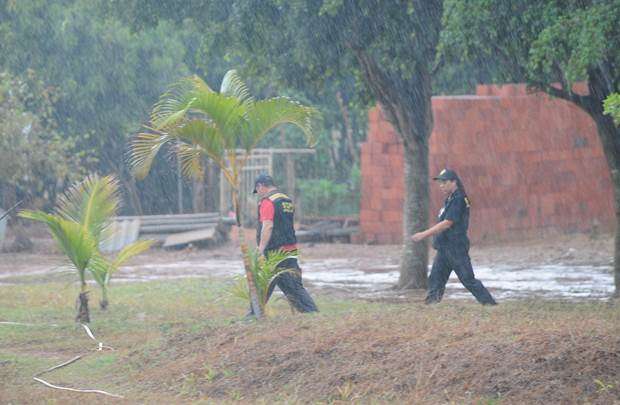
{"type": "Point", "coordinates": [186, 341]}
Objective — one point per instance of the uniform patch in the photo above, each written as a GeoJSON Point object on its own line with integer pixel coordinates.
{"type": "Point", "coordinates": [288, 207]}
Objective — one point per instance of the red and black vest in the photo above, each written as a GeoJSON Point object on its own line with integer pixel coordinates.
{"type": "Point", "coordinates": [283, 232]}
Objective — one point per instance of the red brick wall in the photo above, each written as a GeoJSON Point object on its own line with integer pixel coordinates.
{"type": "Point", "coordinates": [528, 162]}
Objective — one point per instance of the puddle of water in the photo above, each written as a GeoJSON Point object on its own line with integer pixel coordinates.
{"type": "Point", "coordinates": [369, 277]}
{"type": "Point", "coordinates": [549, 281]}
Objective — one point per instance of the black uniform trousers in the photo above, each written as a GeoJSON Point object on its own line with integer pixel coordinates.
{"type": "Point", "coordinates": [455, 258]}
{"type": "Point", "coordinates": [291, 285]}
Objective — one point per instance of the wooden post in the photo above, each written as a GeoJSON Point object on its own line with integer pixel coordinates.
{"type": "Point", "coordinates": [290, 182]}
{"type": "Point", "coordinates": [198, 194]}
{"type": "Point", "coordinates": [212, 192]}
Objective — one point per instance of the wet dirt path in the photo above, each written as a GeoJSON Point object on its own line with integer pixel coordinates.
{"type": "Point", "coordinates": [569, 268]}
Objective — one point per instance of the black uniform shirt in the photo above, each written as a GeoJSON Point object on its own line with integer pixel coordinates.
{"type": "Point", "coordinates": [283, 234]}
{"type": "Point", "coordinates": [455, 209]}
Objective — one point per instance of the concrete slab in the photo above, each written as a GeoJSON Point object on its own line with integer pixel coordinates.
{"type": "Point", "coordinates": [189, 237]}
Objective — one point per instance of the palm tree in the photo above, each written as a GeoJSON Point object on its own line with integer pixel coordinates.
{"type": "Point", "coordinates": [102, 268]}
{"type": "Point", "coordinates": [264, 272]}
{"type": "Point", "coordinates": [201, 122]}
{"type": "Point", "coordinates": [79, 223]}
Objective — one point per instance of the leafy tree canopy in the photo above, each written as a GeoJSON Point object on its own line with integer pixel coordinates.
{"type": "Point", "coordinates": [538, 41]}
{"type": "Point", "coordinates": [35, 160]}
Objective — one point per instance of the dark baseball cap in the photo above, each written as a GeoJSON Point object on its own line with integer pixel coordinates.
{"type": "Point", "coordinates": [446, 175]}
{"type": "Point", "coordinates": [264, 179]}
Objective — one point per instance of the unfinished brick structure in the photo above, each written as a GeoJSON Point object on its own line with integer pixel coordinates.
{"type": "Point", "coordinates": [529, 163]}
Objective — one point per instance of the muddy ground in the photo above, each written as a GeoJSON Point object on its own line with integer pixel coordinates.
{"type": "Point", "coordinates": [574, 267]}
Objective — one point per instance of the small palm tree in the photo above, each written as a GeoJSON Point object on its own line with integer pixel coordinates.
{"type": "Point", "coordinates": [201, 122]}
{"type": "Point", "coordinates": [264, 273]}
{"type": "Point", "coordinates": [79, 223]}
{"type": "Point", "coordinates": [102, 268]}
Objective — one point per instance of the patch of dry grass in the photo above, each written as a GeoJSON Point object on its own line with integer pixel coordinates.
{"type": "Point", "coordinates": [515, 353]}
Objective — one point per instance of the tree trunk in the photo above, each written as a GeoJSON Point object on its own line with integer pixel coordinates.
{"type": "Point", "coordinates": [255, 302]}
{"type": "Point", "coordinates": [83, 315]}
{"type": "Point", "coordinates": [610, 138]}
{"type": "Point", "coordinates": [599, 89]}
{"type": "Point", "coordinates": [412, 115]}
{"type": "Point", "coordinates": [212, 191]}
{"type": "Point", "coordinates": [290, 176]}
{"type": "Point", "coordinates": [179, 186]}
{"type": "Point", "coordinates": [103, 304]}
{"type": "Point", "coordinates": [198, 195]}
{"type": "Point", "coordinates": [348, 127]}
{"type": "Point", "coordinates": [22, 242]}
{"type": "Point", "coordinates": [414, 260]}
{"type": "Point", "coordinates": [134, 196]}
{"type": "Point", "coordinates": [616, 180]}
{"type": "Point", "coordinates": [406, 101]}
{"type": "Point", "coordinates": [334, 149]}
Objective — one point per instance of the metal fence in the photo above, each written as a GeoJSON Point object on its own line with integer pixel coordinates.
{"type": "Point", "coordinates": [2, 227]}
{"type": "Point", "coordinates": [261, 161]}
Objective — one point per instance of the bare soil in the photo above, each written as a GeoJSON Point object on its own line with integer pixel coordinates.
{"type": "Point", "coordinates": [576, 249]}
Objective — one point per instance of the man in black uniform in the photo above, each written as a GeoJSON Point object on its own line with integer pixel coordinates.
{"type": "Point", "coordinates": [275, 232]}
{"type": "Point", "coordinates": [451, 242]}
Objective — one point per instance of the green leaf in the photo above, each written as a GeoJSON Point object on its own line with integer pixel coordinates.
{"type": "Point", "coordinates": [143, 150]}
{"type": "Point", "coordinates": [215, 124]}
{"type": "Point", "coordinates": [79, 246]}
{"type": "Point", "coordinates": [265, 272]}
{"type": "Point", "coordinates": [612, 107]}
{"type": "Point", "coordinates": [265, 115]}
{"type": "Point", "coordinates": [80, 224]}
{"type": "Point", "coordinates": [129, 251]}
{"type": "Point", "coordinates": [91, 203]}
{"type": "Point", "coordinates": [233, 85]}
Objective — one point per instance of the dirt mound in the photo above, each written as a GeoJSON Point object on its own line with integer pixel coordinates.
{"type": "Point", "coordinates": [462, 353]}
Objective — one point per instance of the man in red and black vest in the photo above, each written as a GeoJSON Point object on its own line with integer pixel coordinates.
{"type": "Point", "coordinates": [275, 232]}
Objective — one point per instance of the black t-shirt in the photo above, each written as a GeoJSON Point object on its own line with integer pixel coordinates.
{"type": "Point", "coordinates": [455, 209]}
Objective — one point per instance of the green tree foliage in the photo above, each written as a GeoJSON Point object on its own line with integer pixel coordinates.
{"type": "Point", "coordinates": [321, 197]}
{"type": "Point", "coordinates": [107, 76]}
{"type": "Point", "coordinates": [342, 102]}
{"type": "Point", "coordinates": [612, 107]}
{"type": "Point", "coordinates": [36, 161]}
{"type": "Point", "coordinates": [109, 60]}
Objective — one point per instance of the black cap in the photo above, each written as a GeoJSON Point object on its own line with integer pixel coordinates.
{"type": "Point", "coordinates": [264, 179]}
{"type": "Point", "coordinates": [446, 174]}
